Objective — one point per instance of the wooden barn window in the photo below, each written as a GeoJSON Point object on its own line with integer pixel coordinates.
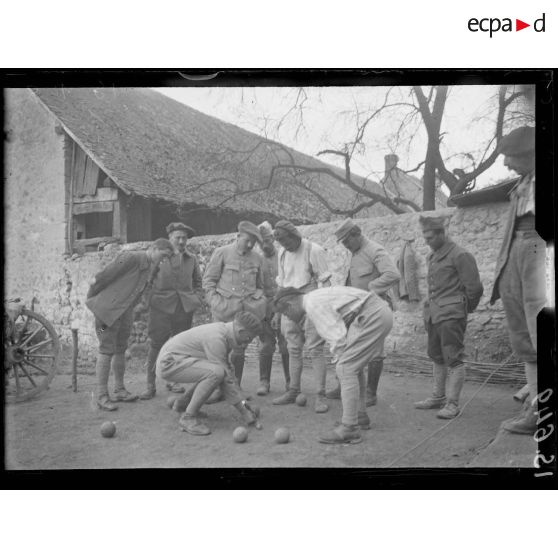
{"type": "Point", "coordinates": [97, 212]}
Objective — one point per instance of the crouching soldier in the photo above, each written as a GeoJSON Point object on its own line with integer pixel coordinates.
{"type": "Point", "coordinates": [454, 290]}
{"type": "Point", "coordinates": [354, 323]}
{"type": "Point", "coordinates": [112, 296]}
{"type": "Point", "coordinates": [200, 357]}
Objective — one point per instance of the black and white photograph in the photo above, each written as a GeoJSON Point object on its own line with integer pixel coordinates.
{"type": "Point", "coordinates": [237, 273]}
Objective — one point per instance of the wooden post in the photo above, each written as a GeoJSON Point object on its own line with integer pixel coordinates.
{"type": "Point", "coordinates": [70, 246]}
{"type": "Point", "coordinates": [74, 359]}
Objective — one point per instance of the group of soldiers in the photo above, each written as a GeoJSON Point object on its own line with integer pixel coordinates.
{"type": "Point", "coordinates": [284, 296]}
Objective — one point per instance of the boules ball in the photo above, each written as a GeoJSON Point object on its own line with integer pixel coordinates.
{"type": "Point", "coordinates": [108, 429]}
{"type": "Point", "coordinates": [282, 435]}
{"type": "Point", "coordinates": [301, 400]}
{"type": "Point", "coordinates": [170, 401]}
{"type": "Point", "coordinates": [240, 435]}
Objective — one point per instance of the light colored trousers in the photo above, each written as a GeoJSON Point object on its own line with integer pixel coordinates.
{"type": "Point", "coordinates": [201, 374]}
{"type": "Point", "coordinates": [365, 341]}
{"type": "Point", "coordinates": [297, 335]}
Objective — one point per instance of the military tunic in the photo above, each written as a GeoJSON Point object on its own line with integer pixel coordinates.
{"type": "Point", "coordinates": [234, 282]}
{"type": "Point", "coordinates": [454, 290]}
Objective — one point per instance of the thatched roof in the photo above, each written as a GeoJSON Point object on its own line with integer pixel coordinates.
{"type": "Point", "coordinates": [156, 147]}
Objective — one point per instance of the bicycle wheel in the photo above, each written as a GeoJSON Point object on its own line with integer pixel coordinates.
{"type": "Point", "coordinates": [31, 353]}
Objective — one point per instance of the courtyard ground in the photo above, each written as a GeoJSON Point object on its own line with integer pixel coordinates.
{"type": "Point", "coordinates": [60, 430]}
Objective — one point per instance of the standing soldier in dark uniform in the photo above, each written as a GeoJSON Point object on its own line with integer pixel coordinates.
{"type": "Point", "coordinates": [271, 335]}
{"type": "Point", "coordinates": [112, 296]}
{"type": "Point", "coordinates": [520, 269]}
{"type": "Point", "coordinates": [371, 269]}
{"type": "Point", "coordinates": [234, 281]}
{"type": "Point", "coordinates": [454, 290]}
{"type": "Point", "coordinates": [175, 296]}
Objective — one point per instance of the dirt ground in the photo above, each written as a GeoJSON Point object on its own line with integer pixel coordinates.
{"type": "Point", "coordinates": [60, 430]}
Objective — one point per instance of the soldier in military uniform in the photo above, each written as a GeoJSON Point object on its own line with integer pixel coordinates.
{"type": "Point", "coordinates": [454, 290]}
{"type": "Point", "coordinates": [371, 269]}
{"type": "Point", "coordinates": [271, 336]}
{"type": "Point", "coordinates": [520, 268]}
{"type": "Point", "coordinates": [234, 281]}
{"type": "Point", "coordinates": [302, 264]}
{"type": "Point", "coordinates": [175, 296]}
{"type": "Point", "coordinates": [112, 295]}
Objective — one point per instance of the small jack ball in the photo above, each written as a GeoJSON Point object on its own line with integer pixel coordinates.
{"type": "Point", "coordinates": [301, 400]}
{"type": "Point", "coordinates": [170, 401]}
{"type": "Point", "coordinates": [282, 435]}
{"type": "Point", "coordinates": [240, 435]}
{"type": "Point", "coordinates": [108, 429]}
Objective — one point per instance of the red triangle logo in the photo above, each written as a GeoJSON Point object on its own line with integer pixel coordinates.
{"type": "Point", "coordinates": [519, 25]}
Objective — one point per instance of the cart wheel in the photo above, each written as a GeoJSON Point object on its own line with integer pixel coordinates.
{"type": "Point", "coordinates": [31, 352]}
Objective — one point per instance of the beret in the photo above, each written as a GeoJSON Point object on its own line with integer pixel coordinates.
{"type": "Point", "coordinates": [431, 223]}
{"type": "Point", "coordinates": [287, 226]}
{"type": "Point", "coordinates": [180, 227]}
{"type": "Point", "coordinates": [518, 141]}
{"type": "Point", "coordinates": [249, 228]}
{"type": "Point", "coordinates": [249, 321]}
{"type": "Point", "coordinates": [346, 227]}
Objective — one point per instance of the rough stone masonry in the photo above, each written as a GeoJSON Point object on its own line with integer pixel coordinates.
{"type": "Point", "coordinates": [478, 229]}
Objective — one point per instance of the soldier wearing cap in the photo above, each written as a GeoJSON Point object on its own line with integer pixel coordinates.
{"type": "Point", "coordinates": [371, 269]}
{"type": "Point", "coordinates": [199, 358]}
{"type": "Point", "coordinates": [520, 268]}
{"type": "Point", "coordinates": [302, 264]}
{"type": "Point", "coordinates": [175, 296]}
{"type": "Point", "coordinates": [271, 336]}
{"type": "Point", "coordinates": [112, 296]}
{"type": "Point", "coordinates": [234, 280]}
{"type": "Point", "coordinates": [454, 290]}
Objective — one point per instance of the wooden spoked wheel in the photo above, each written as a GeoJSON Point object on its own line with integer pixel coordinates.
{"type": "Point", "coordinates": [31, 353]}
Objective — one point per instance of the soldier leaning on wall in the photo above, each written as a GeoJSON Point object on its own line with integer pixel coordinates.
{"type": "Point", "coordinates": [112, 296]}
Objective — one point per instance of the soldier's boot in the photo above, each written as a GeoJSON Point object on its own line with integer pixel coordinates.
{"type": "Point", "coordinates": [285, 361]}
{"type": "Point", "coordinates": [438, 398]}
{"type": "Point", "coordinates": [237, 361]}
{"type": "Point", "coordinates": [524, 424]}
{"type": "Point", "coordinates": [374, 372]}
{"type": "Point", "coordinates": [102, 372]}
{"type": "Point", "coordinates": [295, 369]}
{"type": "Point", "coordinates": [120, 392]}
{"type": "Point", "coordinates": [455, 385]}
{"type": "Point", "coordinates": [266, 363]}
{"type": "Point", "coordinates": [150, 390]}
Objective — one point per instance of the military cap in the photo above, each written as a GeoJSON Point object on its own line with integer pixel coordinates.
{"type": "Point", "coordinates": [181, 227]}
{"type": "Point", "coordinates": [346, 227]}
{"type": "Point", "coordinates": [249, 228]}
{"type": "Point", "coordinates": [431, 223]}
{"type": "Point", "coordinates": [249, 321]}
{"type": "Point", "coordinates": [518, 141]}
{"type": "Point", "coordinates": [287, 226]}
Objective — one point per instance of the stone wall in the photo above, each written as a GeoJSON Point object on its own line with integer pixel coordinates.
{"type": "Point", "coordinates": [34, 200]}
{"type": "Point", "coordinates": [478, 229]}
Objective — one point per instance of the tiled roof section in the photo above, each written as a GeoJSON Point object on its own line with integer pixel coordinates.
{"type": "Point", "coordinates": [157, 147]}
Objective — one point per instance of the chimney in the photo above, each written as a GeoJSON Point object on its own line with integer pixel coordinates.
{"type": "Point", "coordinates": [391, 161]}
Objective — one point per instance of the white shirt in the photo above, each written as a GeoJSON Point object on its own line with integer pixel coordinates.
{"type": "Point", "coordinates": [328, 306]}
{"type": "Point", "coordinates": [303, 266]}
